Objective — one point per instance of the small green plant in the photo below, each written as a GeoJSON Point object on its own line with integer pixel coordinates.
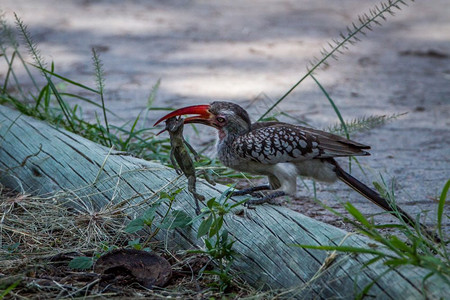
{"type": "Point", "coordinates": [171, 220]}
{"type": "Point", "coordinates": [147, 221]}
{"type": "Point", "coordinates": [218, 243]}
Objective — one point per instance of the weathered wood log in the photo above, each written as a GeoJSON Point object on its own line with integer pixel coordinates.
{"type": "Point", "coordinates": [41, 159]}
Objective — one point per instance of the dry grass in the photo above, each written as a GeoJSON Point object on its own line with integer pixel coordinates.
{"type": "Point", "coordinates": [39, 236]}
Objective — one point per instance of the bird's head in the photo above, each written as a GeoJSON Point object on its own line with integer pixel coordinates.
{"type": "Point", "coordinates": [227, 117]}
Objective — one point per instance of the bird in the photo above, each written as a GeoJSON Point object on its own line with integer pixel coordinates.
{"type": "Point", "coordinates": [282, 152]}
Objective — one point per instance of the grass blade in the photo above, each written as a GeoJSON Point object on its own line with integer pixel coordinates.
{"type": "Point", "coordinates": [365, 22]}
{"type": "Point", "coordinates": [99, 78]}
{"type": "Point", "coordinates": [336, 109]}
{"type": "Point", "coordinates": [441, 205]}
{"type": "Point", "coordinates": [357, 215]}
{"type": "Point", "coordinates": [38, 59]}
{"type": "Point", "coordinates": [350, 249]}
{"type": "Point", "coordinates": [88, 101]}
{"type": "Point", "coordinates": [65, 79]}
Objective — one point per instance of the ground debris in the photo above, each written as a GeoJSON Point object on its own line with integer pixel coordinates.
{"type": "Point", "coordinates": [129, 265]}
{"type": "Point", "coordinates": [40, 238]}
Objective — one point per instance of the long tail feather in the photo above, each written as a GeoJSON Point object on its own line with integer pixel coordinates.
{"type": "Point", "coordinates": [374, 197]}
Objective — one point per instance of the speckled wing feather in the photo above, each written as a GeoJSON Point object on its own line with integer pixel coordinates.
{"type": "Point", "coordinates": [274, 142]}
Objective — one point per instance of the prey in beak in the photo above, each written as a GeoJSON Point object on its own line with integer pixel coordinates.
{"type": "Point", "coordinates": [201, 112]}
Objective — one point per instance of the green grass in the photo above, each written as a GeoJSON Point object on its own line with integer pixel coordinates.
{"type": "Point", "coordinates": [50, 103]}
{"type": "Point", "coordinates": [413, 248]}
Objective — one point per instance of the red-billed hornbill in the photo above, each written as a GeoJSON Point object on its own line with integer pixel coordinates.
{"type": "Point", "coordinates": [280, 151]}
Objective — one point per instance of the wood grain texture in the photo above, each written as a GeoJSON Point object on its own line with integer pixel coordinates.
{"type": "Point", "coordinates": [44, 160]}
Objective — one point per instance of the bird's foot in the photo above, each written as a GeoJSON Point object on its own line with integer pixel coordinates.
{"type": "Point", "coordinates": [268, 198]}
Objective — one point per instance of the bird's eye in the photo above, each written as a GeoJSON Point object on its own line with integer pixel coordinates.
{"type": "Point", "coordinates": [220, 119]}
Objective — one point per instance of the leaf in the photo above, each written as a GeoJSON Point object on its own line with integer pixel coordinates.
{"type": "Point", "coordinates": [133, 127]}
{"type": "Point", "coordinates": [137, 246]}
{"type": "Point", "coordinates": [212, 272]}
{"type": "Point", "coordinates": [179, 219]}
{"type": "Point", "coordinates": [150, 213]}
{"type": "Point", "coordinates": [431, 262]}
{"type": "Point", "coordinates": [134, 242]}
{"type": "Point", "coordinates": [396, 262]}
{"type": "Point", "coordinates": [182, 219]}
{"type": "Point", "coordinates": [163, 195]}
{"type": "Point", "coordinates": [208, 244]}
{"type": "Point", "coordinates": [10, 288]}
{"type": "Point", "coordinates": [210, 203]}
{"type": "Point", "coordinates": [201, 216]}
{"type": "Point", "coordinates": [135, 225]}
{"type": "Point", "coordinates": [81, 263]}
{"type": "Point", "coordinates": [400, 244]}
{"type": "Point", "coordinates": [224, 236]}
{"type": "Point", "coordinates": [41, 95]}
{"type": "Point", "coordinates": [87, 100]}
{"type": "Point", "coordinates": [215, 226]}
{"type": "Point", "coordinates": [196, 251]}
{"type": "Point", "coordinates": [204, 227]}
{"type": "Point", "coordinates": [230, 245]}
{"type": "Point", "coordinates": [171, 196]}
{"type": "Point", "coordinates": [238, 203]}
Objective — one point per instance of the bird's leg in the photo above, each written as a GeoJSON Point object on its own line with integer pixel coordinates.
{"type": "Point", "coordinates": [250, 190]}
{"type": "Point", "coordinates": [274, 184]}
{"type": "Point", "coordinates": [197, 196]}
{"type": "Point", "coordinates": [282, 182]}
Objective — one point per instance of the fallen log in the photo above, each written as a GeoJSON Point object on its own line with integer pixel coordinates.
{"type": "Point", "coordinates": [42, 159]}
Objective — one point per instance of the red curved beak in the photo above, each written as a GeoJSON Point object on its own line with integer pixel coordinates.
{"type": "Point", "coordinates": [201, 111]}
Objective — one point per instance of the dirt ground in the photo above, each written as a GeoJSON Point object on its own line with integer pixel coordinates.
{"type": "Point", "coordinates": [246, 50]}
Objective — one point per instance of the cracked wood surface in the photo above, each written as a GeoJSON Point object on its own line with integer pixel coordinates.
{"type": "Point", "coordinates": [43, 160]}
